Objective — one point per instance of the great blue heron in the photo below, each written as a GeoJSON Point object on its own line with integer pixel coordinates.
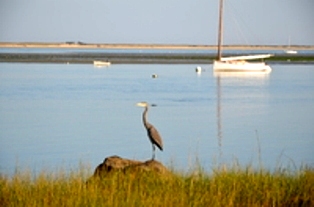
{"type": "Point", "coordinates": [152, 132]}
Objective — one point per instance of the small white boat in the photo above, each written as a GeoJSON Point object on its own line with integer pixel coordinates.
{"type": "Point", "coordinates": [238, 63]}
{"type": "Point", "coordinates": [98, 63]}
{"type": "Point", "coordinates": [292, 52]}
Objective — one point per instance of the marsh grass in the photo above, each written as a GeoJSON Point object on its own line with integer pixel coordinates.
{"type": "Point", "coordinates": [223, 186]}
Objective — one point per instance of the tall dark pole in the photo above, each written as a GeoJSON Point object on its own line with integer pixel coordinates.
{"type": "Point", "coordinates": [220, 29]}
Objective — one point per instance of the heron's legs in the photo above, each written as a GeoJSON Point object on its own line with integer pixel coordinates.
{"type": "Point", "coordinates": [154, 148]}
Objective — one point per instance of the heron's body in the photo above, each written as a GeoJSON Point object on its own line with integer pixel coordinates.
{"type": "Point", "coordinates": [152, 132]}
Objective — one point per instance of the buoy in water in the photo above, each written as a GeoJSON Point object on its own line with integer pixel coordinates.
{"type": "Point", "coordinates": [198, 69]}
{"type": "Point", "coordinates": [154, 76]}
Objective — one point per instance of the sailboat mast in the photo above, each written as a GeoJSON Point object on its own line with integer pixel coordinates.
{"type": "Point", "coordinates": [220, 29]}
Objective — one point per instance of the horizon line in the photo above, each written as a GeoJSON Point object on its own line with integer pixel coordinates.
{"type": "Point", "coordinates": [71, 44]}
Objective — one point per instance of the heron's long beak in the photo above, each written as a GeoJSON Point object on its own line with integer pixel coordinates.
{"type": "Point", "coordinates": [142, 104]}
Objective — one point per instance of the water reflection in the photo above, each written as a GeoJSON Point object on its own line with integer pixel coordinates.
{"type": "Point", "coordinates": [55, 114]}
{"type": "Point", "coordinates": [218, 115]}
{"type": "Point", "coordinates": [250, 79]}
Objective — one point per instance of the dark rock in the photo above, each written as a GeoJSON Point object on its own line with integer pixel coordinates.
{"type": "Point", "coordinates": [118, 164]}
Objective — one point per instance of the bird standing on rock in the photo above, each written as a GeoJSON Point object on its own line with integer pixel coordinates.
{"type": "Point", "coordinates": [152, 132]}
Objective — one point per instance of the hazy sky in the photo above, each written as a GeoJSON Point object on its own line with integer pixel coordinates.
{"type": "Point", "coordinates": [157, 21]}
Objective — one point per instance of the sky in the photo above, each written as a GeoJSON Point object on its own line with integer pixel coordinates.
{"type": "Point", "coordinates": [255, 22]}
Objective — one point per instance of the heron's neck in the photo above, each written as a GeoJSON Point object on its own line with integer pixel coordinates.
{"type": "Point", "coordinates": [145, 122]}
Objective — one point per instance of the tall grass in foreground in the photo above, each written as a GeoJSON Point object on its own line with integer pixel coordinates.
{"type": "Point", "coordinates": [224, 186]}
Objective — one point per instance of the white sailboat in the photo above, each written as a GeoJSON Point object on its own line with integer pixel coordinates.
{"type": "Point", "coordinates": [289, 51]}
{"type": "Point", "coordinates": [237, 63]}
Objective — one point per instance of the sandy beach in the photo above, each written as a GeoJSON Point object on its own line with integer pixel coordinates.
{"type": "Point", "coordinates": [82, 45]}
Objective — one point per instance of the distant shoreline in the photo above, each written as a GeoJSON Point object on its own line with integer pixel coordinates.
{"type": "Point", "coordinates": [82, 45]}
{"type": "Point", "coordinates": [180, 54]}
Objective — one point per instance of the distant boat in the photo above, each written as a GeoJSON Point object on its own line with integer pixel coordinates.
{"type": "Point", "coordinates": [289, 51]}
{"type": "Point", "coordinates": [237, 63]}
{"type": "Point", "coordinates": [98, 63]}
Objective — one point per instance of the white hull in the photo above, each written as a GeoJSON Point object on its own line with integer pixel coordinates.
{"type": "Point", "coordinates": [240, 66]}
{"type": "Point", "coordinates": [291, 52]}
{"type": "Point", "coordinates": [101, 63]}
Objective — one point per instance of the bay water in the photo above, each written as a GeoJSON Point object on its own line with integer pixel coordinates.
{"type": "Point", "coordinates": [60, 115]}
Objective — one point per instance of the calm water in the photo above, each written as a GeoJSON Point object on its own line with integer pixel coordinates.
{"type": "Point", "coordinates": [55, 115]}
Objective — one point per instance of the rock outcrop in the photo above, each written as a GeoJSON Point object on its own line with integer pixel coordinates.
{"type": "Point", "coordinates": [117, 164]}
